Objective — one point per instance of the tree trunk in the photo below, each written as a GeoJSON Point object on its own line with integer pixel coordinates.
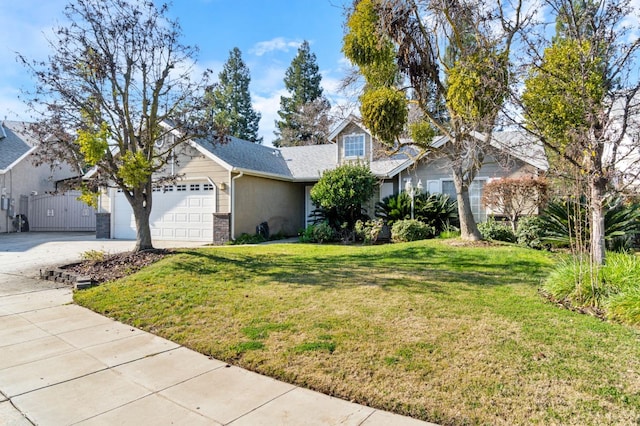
{"type": "Point", "coordinates": [468, 228]}
{"type": "Point", "coordinates": [141, 211]}
{"type": "Point", "coordinates": [597, 221]}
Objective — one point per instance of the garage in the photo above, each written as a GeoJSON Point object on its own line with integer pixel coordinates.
{"type": "Point", "coordinates": [183, 211]}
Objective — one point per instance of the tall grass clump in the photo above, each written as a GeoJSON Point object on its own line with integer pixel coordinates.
{"type": "Point", "coordinates": [613, 288]}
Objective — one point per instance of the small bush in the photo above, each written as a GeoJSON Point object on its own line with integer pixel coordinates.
{"type": "Point", "coordinates": [492, 230]}
{"type": "Point", "coordinates": [94, 255]}
{"type": "Point", "coordinates": [248, 239]}
{"type": "Point", "coordinates": [318, 233]}
{"type": "Point", "coordinates": [411, 230]}
{"type": "Point", "coordinates": [530, 232]}
{"type": "Point", "coordinates": [614, 288]}
{"type": "Point", "coordinates": [370, 230]}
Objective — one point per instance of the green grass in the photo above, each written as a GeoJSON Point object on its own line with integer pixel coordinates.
{"type": "Point", "coordinates": [430, 329]}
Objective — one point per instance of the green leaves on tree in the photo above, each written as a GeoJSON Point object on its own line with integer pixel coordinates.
{"type": "Point", "coordinates": [135, 170]}
{"type": "Point", "coordinates": [562, 96]}
{"type": "Point", "coordinates": [384, 112]}
{"type": "Point", "coordinates": [477, 86]}
{"type": "Point", "coordinates": [373, 53]}
{"type": "Point", "coordinates": [93, 144]}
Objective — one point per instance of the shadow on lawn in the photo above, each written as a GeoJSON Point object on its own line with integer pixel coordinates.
{"type": "Point", "coordinates": [417, 268]}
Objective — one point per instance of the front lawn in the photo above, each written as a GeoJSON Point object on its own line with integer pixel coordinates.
{"type": "Point", "coordinates": [436, 331]}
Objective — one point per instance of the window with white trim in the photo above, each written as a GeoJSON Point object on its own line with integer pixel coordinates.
{"type": "Point", "coordinates": [194, 187]}
{"type": "Point", "coordinates": [181, 187]}
{"type": "Point", "coordinates": [207, 187]}
{"type": "Point", "coordinates": [475, 197]}
{"type": "Point", "coordinates": [354, 146]}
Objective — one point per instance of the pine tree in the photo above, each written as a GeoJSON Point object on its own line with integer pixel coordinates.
{"type": "Point", "coordinates": [231, 101]}
{"type": "Point", "coordinates": [304, 118]}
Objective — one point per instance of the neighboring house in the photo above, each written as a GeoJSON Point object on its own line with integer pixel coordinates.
{"type": "Point", "coordinates": [29, 199]}
{"type": "Point", "coordinates": [223, 191]}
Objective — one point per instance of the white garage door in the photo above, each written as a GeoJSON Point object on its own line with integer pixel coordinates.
{"type": "Point", "coordinates": [180, 212]}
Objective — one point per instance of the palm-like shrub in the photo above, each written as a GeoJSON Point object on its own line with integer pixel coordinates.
{"type": "Point", "coordinates": [435, 210]}
{"type": "Point", "coordinates": [566, 223]}
{"type": "Point", "coordinates": [394, 207]}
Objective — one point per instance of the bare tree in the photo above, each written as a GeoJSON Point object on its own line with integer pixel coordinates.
{"type": "Point", "coordinates": [117, 94]}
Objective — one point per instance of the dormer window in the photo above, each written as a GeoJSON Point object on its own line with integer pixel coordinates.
{"type": "Point", "coordinates": [354, 146]}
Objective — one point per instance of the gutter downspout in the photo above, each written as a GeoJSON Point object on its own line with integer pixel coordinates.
{"type": "Point", "coordinates": [233, 204]}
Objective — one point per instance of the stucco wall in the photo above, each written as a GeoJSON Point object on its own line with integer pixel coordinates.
{"type": "Point", "coordinates": [257, 200]}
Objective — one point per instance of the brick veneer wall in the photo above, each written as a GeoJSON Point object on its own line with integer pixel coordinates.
{"type": "Point", "coordinates": [221, 228]}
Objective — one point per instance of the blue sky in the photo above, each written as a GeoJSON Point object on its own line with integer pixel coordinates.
{"type": "Point", "coordinates": [268, 32]}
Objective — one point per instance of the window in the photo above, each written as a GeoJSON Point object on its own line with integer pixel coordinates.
{"type": "Point", "coordinates": [168, 188]}
{"type": "Point", "coordinates": [181, 187]}
{"type": "Point", "coordinates": [207, 187]}
{"type": "Point", "coordinates": [475, 197]}
{"type": "Point", "coordinates": [194, 187]}
{"type": "Point", "coordinates": [354, 146]}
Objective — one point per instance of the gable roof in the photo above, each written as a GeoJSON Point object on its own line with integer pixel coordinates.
{"type": "Point", "coordinates": [16, 143]}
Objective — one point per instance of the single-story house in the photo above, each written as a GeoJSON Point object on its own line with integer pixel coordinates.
{"type": "Point", "coordinates": [225, 190]}
{"type": "Point", "coordinates": [29, 197]}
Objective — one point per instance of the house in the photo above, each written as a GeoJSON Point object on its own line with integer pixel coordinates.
{"type": "Point", "coordinates": [225, 190]}
{"type": "Point", "coordinates": [29, 198]}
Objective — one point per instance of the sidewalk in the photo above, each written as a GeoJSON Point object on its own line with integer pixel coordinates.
{"type": "Point", "coordinates": [62, 364]}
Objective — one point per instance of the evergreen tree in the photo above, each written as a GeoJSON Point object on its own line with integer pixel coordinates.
{"type": "Point", "coordinates": [230, 100]}
{"type": "Point", "coordinates": [304, 116]}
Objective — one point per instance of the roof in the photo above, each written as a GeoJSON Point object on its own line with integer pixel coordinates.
{"type": "Point", "coordinates": [16, 142]}
{"type": "Point", "coordinates": [245, 156]}
{"type": "Point", "coordinates": [308, 162]}
{"type": "Point", "coordinates": [522, 146]}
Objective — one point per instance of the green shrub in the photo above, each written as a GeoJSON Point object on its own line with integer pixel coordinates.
{"type": "Point", "coordinates": [531, 232]}
{"type": "Point", "coordinates": [566, 221]}
{"type": "Point", "coordinates": [94, 255]}
{"type": "Point", "coordinates": [411, 230]}
{"type": "Point", "coordinates": [492, 230]}
{"type": "Point", "coordinates": [449, 232]}
{"type": "Point", "coordinates": [436, 210]}
{"type": "Point", "coordinates": [318, 233]}
{"type": "Point", "coordinates": [613, 287]}
{"type": "Point", "coordinates": [245, 238]}
{"type": "Point", "coordinates": [370, 230]}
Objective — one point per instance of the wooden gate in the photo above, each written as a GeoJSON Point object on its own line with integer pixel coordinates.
{"type": "Point", "coordinates": [60, 212]}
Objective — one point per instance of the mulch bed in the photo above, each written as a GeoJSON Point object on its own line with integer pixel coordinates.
{"type": "Point", "coordinates": [115, 266]}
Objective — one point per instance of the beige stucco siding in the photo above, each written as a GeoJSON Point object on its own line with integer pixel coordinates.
{"type": "Point", "coordinates": [257, 200]}
{"type": "Point", "coordinates": [194, 165]}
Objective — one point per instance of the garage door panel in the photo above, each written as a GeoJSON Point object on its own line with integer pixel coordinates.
{"type": "Point", "coordinates": [182, 215]}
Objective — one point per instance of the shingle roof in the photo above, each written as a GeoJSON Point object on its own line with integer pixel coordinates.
{"type": "Point", "coordinates": [17, 142]}
{"type": "Point", "coordinates": [308, 162]}
{"type": "Point", "coordinates": [522, 146]}
{"type": "Point", "coordinates": [248, 156]}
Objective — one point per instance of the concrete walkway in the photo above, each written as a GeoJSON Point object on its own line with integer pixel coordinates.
{"type": "Point", "coordinates": [61, 364]}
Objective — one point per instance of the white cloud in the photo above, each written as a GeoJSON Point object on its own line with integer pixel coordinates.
{"type": "Point", "coordinates": [275, 44]}
{"type": "Point", "coordinates": [268, 106]}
